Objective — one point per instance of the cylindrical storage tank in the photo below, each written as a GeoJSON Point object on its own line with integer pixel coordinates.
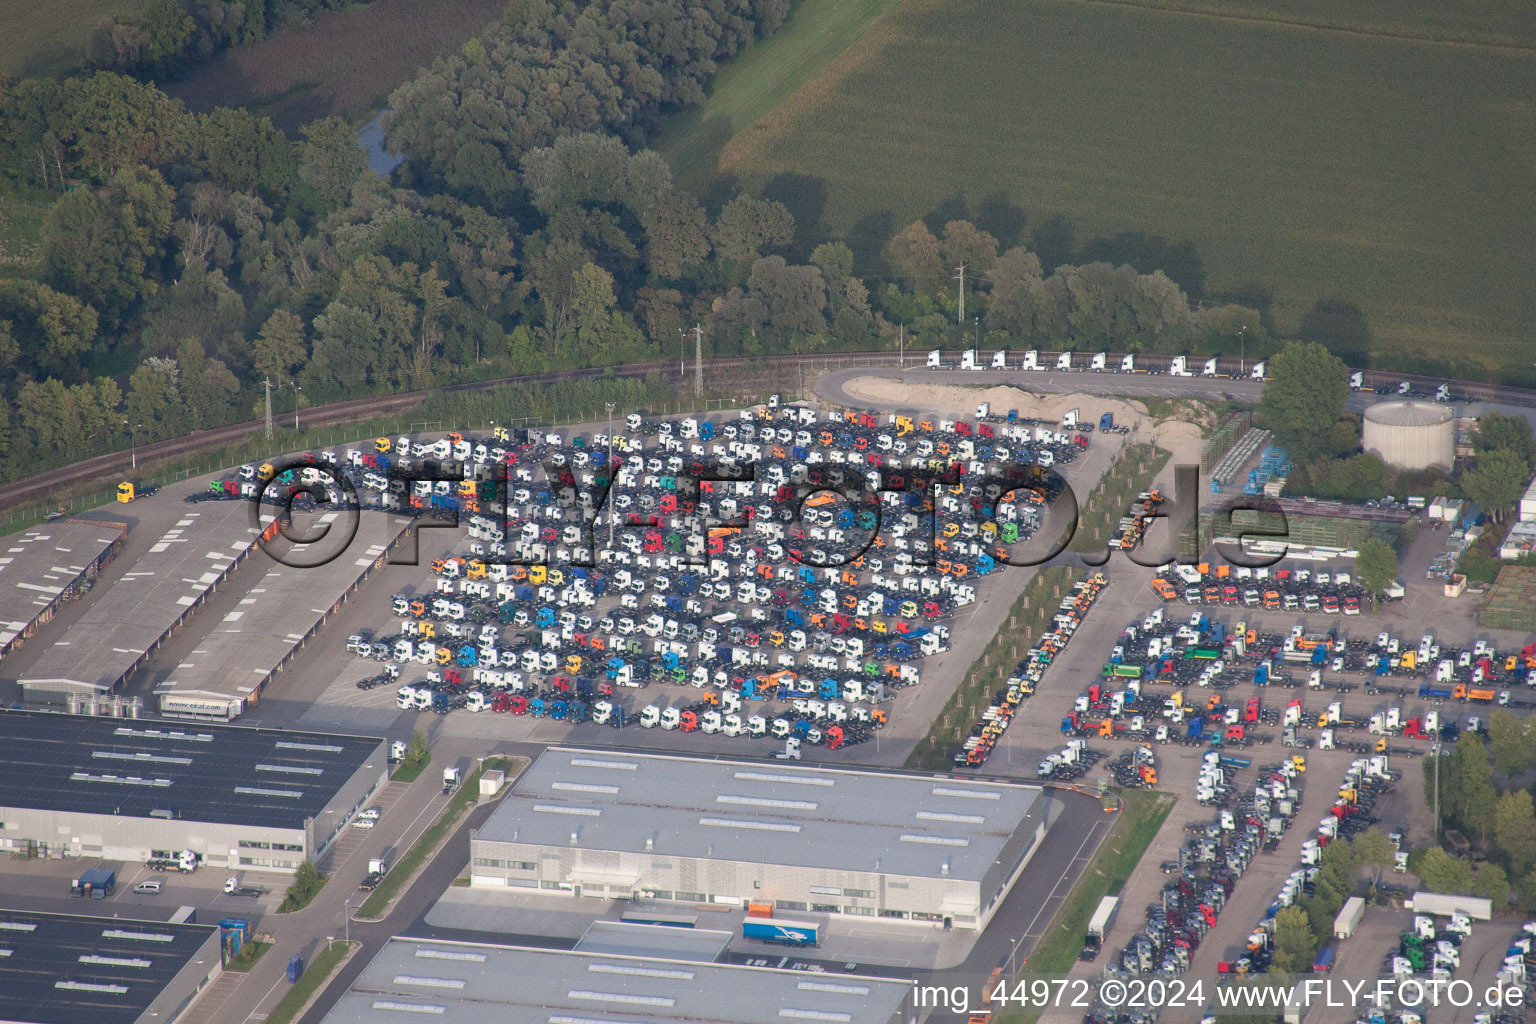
{"type": "Point", "coordinates": [1411, 435]}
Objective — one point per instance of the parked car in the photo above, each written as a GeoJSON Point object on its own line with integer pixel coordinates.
{"type": "Point", "coordinates": [148, 888]}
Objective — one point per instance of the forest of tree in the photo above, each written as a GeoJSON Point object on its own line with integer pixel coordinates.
{"type": "Point", "coordinates": [189, 257]}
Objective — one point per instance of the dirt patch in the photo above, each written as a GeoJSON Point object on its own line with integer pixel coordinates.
{"type": "Point", "coordinates": [1180, 437]}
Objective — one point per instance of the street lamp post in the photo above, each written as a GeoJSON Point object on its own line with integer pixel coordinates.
{"type": "Point", "coordinates": [346, 920]}
{"type": "Point", "coordinates": [1242, 350]}
{"type": "Point", "coordinates": [682, 358]}
{"type": "Point", "coordinates": [133, 447]}
{"type": "Point", "coordinates": [296, 389]}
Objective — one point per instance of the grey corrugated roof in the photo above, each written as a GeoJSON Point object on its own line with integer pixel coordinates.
{"type": "Point", "coordinates": [416, 980]}
{"type": "Point", "coordinates": [280, 608]}
{"type": "Point", "coordinates": [86, 763]}
{"type": "Point", "coordinates": [621, 938]}
{"type": "Point", "coordinates": [1408, 414]}
{"type": "Point", "coordinates": [759, 812]}
{"type": "Point", "coordinates": [94, 958]}
{"type": "Point", "coordinates": [38, 564]}
{"type": "Point", "coordinates": [150, 597]}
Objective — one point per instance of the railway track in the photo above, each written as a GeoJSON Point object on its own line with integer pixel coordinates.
{"type": "Point", "coordinates": [36, 489]}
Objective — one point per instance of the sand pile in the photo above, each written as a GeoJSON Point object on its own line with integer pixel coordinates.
{"type": "Point", "coordinates": [1183, 439]}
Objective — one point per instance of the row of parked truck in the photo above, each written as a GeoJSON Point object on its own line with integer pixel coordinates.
{"type": "Point", "coordinates": [1070, 613]}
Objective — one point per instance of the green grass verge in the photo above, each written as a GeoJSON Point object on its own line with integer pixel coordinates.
{"type": "Point", "coordinates": [316, 973]}
{"type": "Point", "coordinates": [1141, 814]}
{"type": "Point", "coordinates": [247, 957]}
{"type": "Point", "coordinates": [1063, 125]}
{"type": "Point", "coordinates": [1031, 615]}
{"type": "Point", "coordinates": [1131, 474]}
{"type": "Point", "coordinates": [405, 869]}
{"type": "Point", "coordinates": [410, 772]}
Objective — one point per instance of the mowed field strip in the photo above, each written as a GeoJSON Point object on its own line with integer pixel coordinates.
{"type": "Point", "coordinates": [1312, 164]}
{"type": "Point", "coordinates": [48, 38]}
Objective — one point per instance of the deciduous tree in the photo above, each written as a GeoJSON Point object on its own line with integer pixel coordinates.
{"type": "Point", "coordinates": [279, 350]}
{"type": "Point", "coordinates": [1496, 431]}
{"type": "Point", "coordinates": [1497, 481]}
{"type": "Point", "coordinates": [1306, 395]}
{"type": "Point", "coordinates": [914, 254]}
{"type": "Point", "coordinates": [1376, 565]}
{"type": "Point", "coordinates": [748, 227]}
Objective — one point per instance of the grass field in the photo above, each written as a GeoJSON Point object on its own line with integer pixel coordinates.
{"type": "Point", "coordinates": [1302, 165]}
{"type": "Point", "coordinates": [346, 63]}
{"type": "Point", "coordinates": [40, 39]}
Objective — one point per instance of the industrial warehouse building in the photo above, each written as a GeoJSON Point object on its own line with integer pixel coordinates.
{"type": "Point", "coordinates": [65, 969]}
{"type": "Point", "coordinates": [130, 789]}
{"type": "Point", "coordinates": [883, 845]}
{"type": "Point", "coordinates": [123, 627]}
{"type": "Point", "coordinates": [48, 565]}
{"type": "Point", "coordinates": [411, 980]}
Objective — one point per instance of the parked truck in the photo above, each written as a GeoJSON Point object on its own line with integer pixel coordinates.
{"type": "Point", "coordinates": [1475, 907]}
{"type": "Point", "coordinates": [378, 867]}
{"type": "Point", "coordinates": [1348, 919]}
{"type": "Point", "coordinates": [95, 883]}
{"type": "Point", "coordinates": [185, 861]}
{"type": "Point", "coordinates": [451, 779]}
{"type": "Point", "coordinates": [232, 887]}
{"type": "Point", "coordinates": [781, 932]}
{"type": "Point", "coordinates": [1098, 927]}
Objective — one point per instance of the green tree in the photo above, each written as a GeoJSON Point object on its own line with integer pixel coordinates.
{"type": "Point", "coordinates": [1376, 565]}
{"type": "Point", "coordinates": [965, 243]}
{"type": "Point", "coordinates": [417, 753]}
{"type": "Point", "coordinates": [835, 260]}
{"type": "Point", "coordinates": [155, 397]}
{"type": "Point", "coordinates": [1509, 738]}
{"type": "Point", "coordinates": [48, 332]}
{"type": "Point", "coordinates": [914, 254]}
{"type": "Point", "coordinates": [1477, 797]}
{"type": "Point", "coordinates": [1439, 871]}
{"type": "Point", "coordinates": [1497, 431]}
{"type": "Point", "coordinates": [1019, 302]}
{"type": "Point", "coordinates": [279, 350]}
{"type": "Point", "coordinates": [1497, 481]}
{"type": "Point", "coordinates": [1306, 394]}
{"type": "Point", "coordinates": [1373, 849]}
{"type": "Point", "coordinates": [747, 227]}
{"type": "Point", "coordinates": [60, 420]}
{"type": "Point", "coordinates": [676, 234]}
{"type": "Point", "coordinates": [1514, 829]}
{"type": "Point", "coordinates": [592, 304]}
{"type": "Point", "coordinates": [1294, 943]}
{"type": "Point", "coordinates": [1491, 882]}
{"type": "Point", "coordinates": [331, 159]}
{"type": "Point", "coordinates": [109, 251]}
